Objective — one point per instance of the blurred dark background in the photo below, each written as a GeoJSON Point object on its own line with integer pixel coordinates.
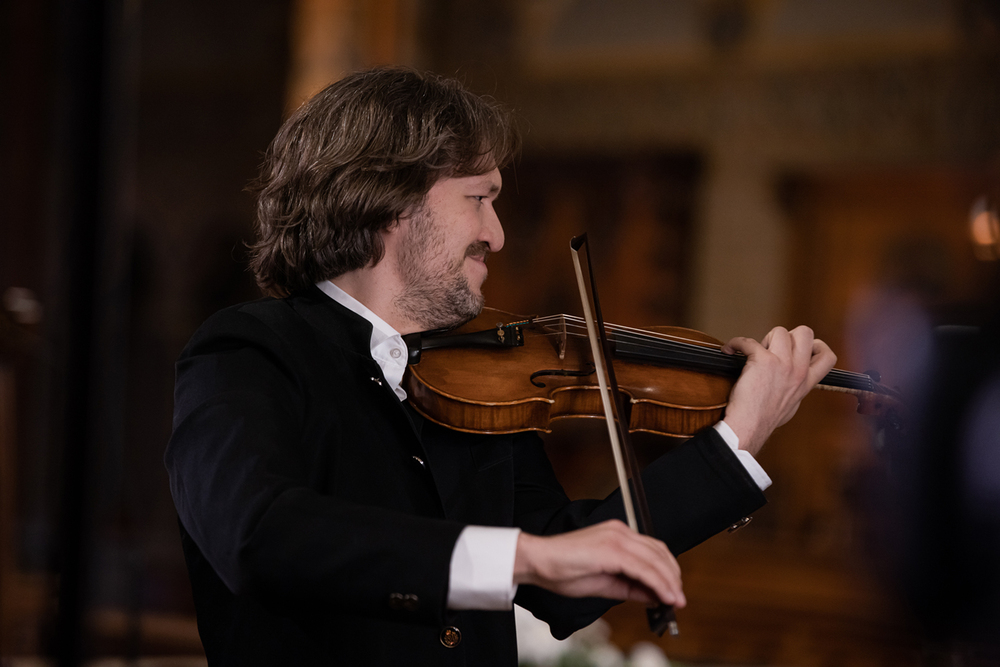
{"type": "Point", "coordinates": [738, 163]}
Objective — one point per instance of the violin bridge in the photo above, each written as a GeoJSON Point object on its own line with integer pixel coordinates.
{"type": "Point", "coordinates": [562, 338]}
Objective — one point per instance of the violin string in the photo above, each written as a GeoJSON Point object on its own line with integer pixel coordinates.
{"type": "Point", "coordinates": [640, 333]}
{"type": "Point", "coordinates": [695, 351]}
{"type": "Point", "coordinates": [654, 346]}
{"type": "Point", "coordinates": [644, 340]}
{"type": "Point", "coordinates": [639, 337]}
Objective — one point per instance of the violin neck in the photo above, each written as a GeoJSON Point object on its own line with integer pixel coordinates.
{"type": "Point", "coordinates": [691, 357]}
{"type": "Point", "coordinates": [710, 360]}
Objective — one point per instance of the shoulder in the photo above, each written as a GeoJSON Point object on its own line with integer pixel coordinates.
{"type": "Point", "coordinates": [297, 331]}
{"type": "Point", "coordinates": [270, 319]}
{"type": "Point", "coordinates": [268, 312]}
{"type": "Point", "coordinates": [254, 322]}
{"type": "Point", "coordinates": [271, 326]}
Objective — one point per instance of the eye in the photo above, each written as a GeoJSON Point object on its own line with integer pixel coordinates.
{"type": "Point", "coordinates": [479, 198]}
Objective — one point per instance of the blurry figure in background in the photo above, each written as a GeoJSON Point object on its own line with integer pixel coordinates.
{"type": "Point", "coordinates": [979, 468]}
{"type": "Point", "coordinates": [951, 489]}
{"type": "Point", "coordinates": [938, 519]}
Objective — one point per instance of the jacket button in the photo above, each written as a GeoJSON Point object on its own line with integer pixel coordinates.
{"type": "Point", "coordinates": [739, 524]}
{"type": "Point", "coordinates": [451, 636]}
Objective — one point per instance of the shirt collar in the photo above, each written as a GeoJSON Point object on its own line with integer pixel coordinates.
{"type": "Point", "coordinates": [386, 346]}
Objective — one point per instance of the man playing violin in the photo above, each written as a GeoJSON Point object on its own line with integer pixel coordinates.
{"type": "Point", "coordinates": [324, 521]}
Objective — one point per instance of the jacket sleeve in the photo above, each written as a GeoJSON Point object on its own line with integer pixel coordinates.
{"type": "Point", "coordinates": [694, 491]}
{"type": "Point", "coordinates": [243, 479]}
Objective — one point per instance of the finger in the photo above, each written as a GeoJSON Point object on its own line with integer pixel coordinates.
{"type": "Point", "coordinates": [596, 560]}
{"type": "Point", "coordinates": [638, 592]}
{"type": "Point", "coordinates": [644, 560]}
{"type": "Point", "coordinates": [660, 556]}
{"type": "Point", "coordinates": [650, 548]}
{"type": "Point", "coordinates": [802, 348]}
{"type": "Point", "coordinates": [821, 353]}
{"type": "Point", "coordinates": [766, 340]}
{"type": "Point", "coordinates": [742, 344]}
{"type": "Point", "coordinates": [665, 586]}
{"type": "Point", "coordinates": [779, 342]}
{"type": "Point", "coordinates": [622, 587]}
{"type": "Point", "coordinates": [627, 570]}
{"type": "Point", "coordinates": [821, 362]}
{"type": "Point", "coordinates": [652, 564]}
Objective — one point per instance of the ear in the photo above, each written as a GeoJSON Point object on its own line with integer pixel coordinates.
{"type": "Point", "coordinates": [392, 233]}
{"type": "Point", "coordinates": [401, 223]}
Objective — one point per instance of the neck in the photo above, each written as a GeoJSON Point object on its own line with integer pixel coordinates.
{"type": "Point", "coordinates": [376, 287]}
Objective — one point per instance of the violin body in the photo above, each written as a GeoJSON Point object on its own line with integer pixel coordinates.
{"type": "Point", "coordinates": [490, 390]}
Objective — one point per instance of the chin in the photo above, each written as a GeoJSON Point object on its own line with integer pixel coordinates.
{"type": "Point", "coordinates": [469, 311]}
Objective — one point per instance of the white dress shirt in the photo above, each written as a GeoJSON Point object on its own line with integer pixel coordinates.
{"type": "Point", "coordinates": [482, 563]}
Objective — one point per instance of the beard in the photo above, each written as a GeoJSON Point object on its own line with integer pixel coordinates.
{"type": "Point", "coordinates": [436, 292]}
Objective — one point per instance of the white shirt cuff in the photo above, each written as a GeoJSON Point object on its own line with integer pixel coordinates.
{"type": "Point", "coordinates": [745, 457]}
{"type": "Point", "coordinates": [482, 569]}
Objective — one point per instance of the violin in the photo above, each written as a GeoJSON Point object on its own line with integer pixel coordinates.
{"type": "Point", "coordinates": [504, 373]}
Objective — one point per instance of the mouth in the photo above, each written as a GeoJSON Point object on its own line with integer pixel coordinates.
{"type": "Point", "coordinates": [478, 252]}
{"type": "Point", "coordinates": [478, 271]}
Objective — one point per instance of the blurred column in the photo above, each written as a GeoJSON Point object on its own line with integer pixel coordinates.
{"type": "Point", "coordinates": [740, 263]}
{"type": "Point", "coordinates": [331, 38]}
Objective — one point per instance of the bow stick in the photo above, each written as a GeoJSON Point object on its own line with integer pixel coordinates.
{"type": "Point", "coordinates": [661, 617]}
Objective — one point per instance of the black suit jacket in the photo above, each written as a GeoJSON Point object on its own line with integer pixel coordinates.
{"type": "Point", "coordinates": [318, 513]}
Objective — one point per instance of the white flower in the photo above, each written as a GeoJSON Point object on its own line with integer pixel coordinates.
{"type": "Point", "coordinates": [647, 654]}
{"type": "Point", "coordinates": [597, 633]}
{"type": "Point", "coordinates": [535, 643]}
{"type": "Point", "coordinates": [606, 655]}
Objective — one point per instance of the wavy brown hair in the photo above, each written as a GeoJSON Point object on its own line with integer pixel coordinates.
{"type": "Point", "coordinates": [355, 158]}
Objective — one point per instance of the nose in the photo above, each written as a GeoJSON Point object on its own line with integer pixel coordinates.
{"type": "Point", "coordinates": [492, 232]}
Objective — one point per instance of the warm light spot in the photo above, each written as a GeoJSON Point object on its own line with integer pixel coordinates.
{"type": "Point", "coordinates": [985, 231]}
{"type": "Point", "coordinates": [984, 228]}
